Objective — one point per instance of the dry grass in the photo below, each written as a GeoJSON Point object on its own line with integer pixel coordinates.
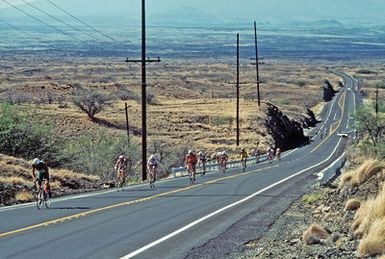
{"type": "Point", "coordinates": [371, 210]}
{"type": "Point", "coordinates": [24, 196]}
{"type": "Point", "coordinates": [67, 174]}
{"type": "Point", "coordinates": [368, 169]}
{"type": "Point", "coordinates": [346, 178]}
{"type": "Point", "coordinates": [15, 180]}
{"type": "Point", "coordinates": [190, 97]}
{"type": "Point", "coordinates": [374, 242]}
{"type": "Point", "coordinates": [55, 185]}
{"type": "Point", "coordinates": [313, 234]}
{"type": "Point", "coordinates": [365, 171]}
{"type": "Point", "coordinates": [17, 171]}
{"type": "Point", "coordinates": [352, 204]}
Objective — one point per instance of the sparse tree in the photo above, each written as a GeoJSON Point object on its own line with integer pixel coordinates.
{"type": "Point", "coordinates": [368, 125]}
{"type": "Point", "coordinates": [89, 101]}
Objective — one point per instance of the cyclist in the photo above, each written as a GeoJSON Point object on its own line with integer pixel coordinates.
{"type": "Point", "coordinates": [202, 162]}
{"type": "Point", "coordinates": [152, 165]}
{"type": "Point", "coordinates": [257, 155]}
{"type": "Point", "coordinates": [121, 168]}
{"type": "Point", "coordinates": [222, 160]}
{"type": "Point", "coordinates": [278, 153]}
{"type": "Point", "coordinates": [190, 164]}
{"type": "Point", "coordinates": [270, 154]}
{"type": "Point", "coordinates": [40, 173]}
{"type": "Point", "coordinates": [243, 156]}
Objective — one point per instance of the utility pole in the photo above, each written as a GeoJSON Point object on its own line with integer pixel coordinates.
{"type": "Point", "coordinates": [237, 89]}
{"type": "Point", "coordinates": [377, 101]}
{"type": "Point", "coordinates": [127, 125]}
{"type": "Point", "coordinates": [143, 62]}
{"type": "Point", "coordinates": [257, 62]}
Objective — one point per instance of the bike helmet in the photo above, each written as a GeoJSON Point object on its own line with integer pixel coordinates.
{"type": "Point", "coordinates": [121, 157]}
{"type": "Point", "coordinates": [224, 153]}
{"type": "Point", "coordinates": [36, 161]}
{"type": "Point", "coordinates": [190, 151]}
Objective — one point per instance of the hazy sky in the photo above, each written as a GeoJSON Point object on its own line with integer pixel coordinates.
{"type": "Point", "coordinates": [348, 11]}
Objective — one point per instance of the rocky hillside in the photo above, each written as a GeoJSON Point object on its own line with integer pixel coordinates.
{"type": "Point", "coordinates": [16, 184]}
{"type": "Point", "coordinates": [287, 133]}
{"type": "Point", "coordinates": [346, 220]}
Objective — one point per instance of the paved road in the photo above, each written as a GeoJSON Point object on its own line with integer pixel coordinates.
{"type": "Point", "coordinates": [175, 220]}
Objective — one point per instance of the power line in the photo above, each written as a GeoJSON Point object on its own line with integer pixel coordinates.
{"type": "Point", "coordinates": [37, 19]}
{"type": "Point", "coordinates": [86, 24]}
{"type": "Point", "coordinates": [60, 21]}
{"type": "Point", "coordinates": [28, 34]}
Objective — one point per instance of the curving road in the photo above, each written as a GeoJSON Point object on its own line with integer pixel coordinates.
{"type": "Point", "coordinates": [210, 219]}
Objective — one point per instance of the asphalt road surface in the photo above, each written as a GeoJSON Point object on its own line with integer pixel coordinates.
{"type": "Point", "coordinates": [177, 220]}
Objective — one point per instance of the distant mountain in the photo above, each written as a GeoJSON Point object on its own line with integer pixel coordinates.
{"type": "Point", "coordinates": [323, 23]}
{"type": "Point", "coordinates": [184, 16]}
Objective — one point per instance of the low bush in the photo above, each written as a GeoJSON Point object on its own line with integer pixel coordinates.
{"type": "Point", "coordinates": [96, 154]}
{"type": "Point", "coordinates": [352, 204]}
{"type": "Point", "coordinates": [373, 243]}
{"type": "Point", "coordinates": [314, 234]}
{"type": "Point", "coordinates": [221, 120]}
{"type": "Point", "coordinates": [26, 135]}
{"type": "Point", "coordinates": [312, 198]}
{"type": "Point", "coordinates": [89, 101]}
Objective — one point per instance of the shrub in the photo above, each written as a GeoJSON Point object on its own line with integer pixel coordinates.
{"type": "Point", "coordinates": [352, 204]}
{"type": "Point", "coordinates": [365, 71]}
{"type": "Point", "coordinates": [126, 95]}
{"type": "Point", "coordinates": [150, 98]}
{"type": "Point", "coordinates": [312, 198]}
{"type": "Point", "coordinates": [374, 242]}
{"type": "Point", "coordinates": [89, 101]}
{"type": "Point", "coordinates": [314, 234]}
{"type": "Point", "coordinates": [27, 135]}
{"type": "Point", "coordinates": [96, 154]}
{"type": "Point", "coordinates": [366, 170]}
{"type": "Point", "coordinates": [368, 125]}
{"type": "Point", "coordinates": [221, 120]}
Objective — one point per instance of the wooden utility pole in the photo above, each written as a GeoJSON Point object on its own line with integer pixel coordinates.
{"type": "Point", "coordinates": [127, 125]}
{"type": "Point", "coordinates": [143, 62]}
{"type": "Point", "coordinates": [257, 62]}
{"type": "Point", "coordinates": [377, 101]}
{"type": "Point", "coordinates": [237, 89]}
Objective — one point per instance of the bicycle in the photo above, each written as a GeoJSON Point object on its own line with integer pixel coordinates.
{"type": "Point", "coordinates": [270, 158]}
{"type": "Point", "coordinates": [191, 173]}
{"type": "Point", "coordinates": [243, 161]}
{"type": "Point", "coordinates": [203, 171]}
{"type": "Point", "coordinates": [120, 180]}
{"type": "Point", "coordinates": [43, 197]}
{"type": "Point", "coordinates": [222, 167]}
{"type": "Point", "coordinates": [152, 176]}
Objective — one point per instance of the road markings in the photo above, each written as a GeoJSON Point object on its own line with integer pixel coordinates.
{"type": "Point", "coordinates": [82, 214]}
{"type": "Point", "coordinates": [127, 203]}
{"type": "Point", "coordinates": [342, 106]}
{"type": "Point", "coordinates": [160, 240]}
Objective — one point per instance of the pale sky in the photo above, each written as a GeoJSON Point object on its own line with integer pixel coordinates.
{"type": "Point", "coordinates": [348, 11]}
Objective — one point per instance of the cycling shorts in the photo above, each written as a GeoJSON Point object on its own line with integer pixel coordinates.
{"type": "Point", "coordinates": [41, 175]}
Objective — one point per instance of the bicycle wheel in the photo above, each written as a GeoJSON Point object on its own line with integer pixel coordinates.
{"type": "Point", "coordinates": [40, 199]}
{"type": "Point", "coordinates": [47, 200]}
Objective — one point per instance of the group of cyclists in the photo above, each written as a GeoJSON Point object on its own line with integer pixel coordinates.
{"type": "Point", "coordinates": [191, 161]}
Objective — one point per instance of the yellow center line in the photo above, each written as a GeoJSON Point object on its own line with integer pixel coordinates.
{"type": "Point", "coordinates": [341, 104]}
{"type": "Point", "coordinates": [127, 203]}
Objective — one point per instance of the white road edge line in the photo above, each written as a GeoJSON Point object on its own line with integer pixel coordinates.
{"type": "Point", "coordinates": [79, 196]}
{"type": "Point", "coordinates": [160, 240]}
